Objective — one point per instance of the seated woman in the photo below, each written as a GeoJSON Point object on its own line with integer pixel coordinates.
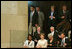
{"type": "Point", "coordinates": [29, 43]}
{"type": "Point", "coordinates": [51, 41]}
{"type": "Point", "coordinates": [42, 43]}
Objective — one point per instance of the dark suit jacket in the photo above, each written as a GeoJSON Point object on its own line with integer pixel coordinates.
{"type": "Point", "coordinates": [64, 24]}
{"type": "Point", "coordinates": [55, 36]}
{"type": "Point", "coordinates": [68, 42]}
{"type": "Point", "coordinates": [34, 18]}
{"type": "Point", "coordinates": [67, 15]}
{"type": "Point", "coordinates": [54, 14]}
{"type": "Point", "coordinates": [36, 36]}
{"type": "Point", "coordinates": [53, 43]}
{"type": "Point", "coordinates": [54, 21]}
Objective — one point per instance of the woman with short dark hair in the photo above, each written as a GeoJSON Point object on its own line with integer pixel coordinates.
{"type": "Point", "coordinates": [29, 43]}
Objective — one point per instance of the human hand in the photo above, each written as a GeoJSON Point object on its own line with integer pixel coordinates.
{"type": "Point", "coordinates": [63, 17]}
{"type": "Point", "coordinates": [53, 17]}
{"type": "Point", "coordinates": [50, 44]}
{"type": "Point", "coordinates": [49, 16]}
{"type": "Point", "coordinates": [65, 44]}
{"type": "Point", "coordinates": [38, 46]}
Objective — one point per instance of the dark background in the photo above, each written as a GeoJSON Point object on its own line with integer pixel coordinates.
{"type": "Point", "coordinates": [45, 6]}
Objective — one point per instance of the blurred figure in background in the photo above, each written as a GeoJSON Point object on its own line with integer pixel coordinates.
{"type": "Point", "coordinates": [64, 24]}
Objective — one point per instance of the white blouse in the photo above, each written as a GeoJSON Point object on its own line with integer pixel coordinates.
{"type": "Point", "coordinates": [42, 43]}
{"type": "Point", "coordinates": [30, 45]}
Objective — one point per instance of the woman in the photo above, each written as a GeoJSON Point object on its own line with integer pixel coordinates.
{"type": "Point", "coordinates": [29, 43]}
{"type": "Point", "coordinates": [42, 43]}
{"type": "Point", "coordinates": [51, 41]}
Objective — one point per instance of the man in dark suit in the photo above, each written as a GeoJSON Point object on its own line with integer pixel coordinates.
{"type": "Point", "coordinates": [64, 13]}
{"type": "Point", "coordinates": [54, 33]}
{"type": "Point", "coordinates": [64, 24]}
{"type": "Point", "coordinates": [52, 15]}
{"type": "Point", "coordinates": [33, 19]}
{"type": "Point", "coordinates": [65, 42]}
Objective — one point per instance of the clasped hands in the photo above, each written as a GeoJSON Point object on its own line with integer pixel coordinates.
{"type": "Point", "coordinates": [50, 17]}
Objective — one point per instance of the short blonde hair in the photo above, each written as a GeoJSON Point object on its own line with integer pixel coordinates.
{"type": "Point", "coordinates": [49, 35]}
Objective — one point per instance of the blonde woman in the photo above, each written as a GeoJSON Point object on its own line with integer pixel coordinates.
{"type": "Point", "coordinates": [42, 43]}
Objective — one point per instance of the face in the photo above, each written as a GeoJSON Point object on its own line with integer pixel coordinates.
{"type": "Point", "coordinates": [64, 7]}
{"type": "Point", "coordinates": [52, 8]}
{"type": "Point", "coordinates": [42, 37]}
{"type": "Point", "coordinates": [51, 29]}
{"type": "Point", "coordinates": [62, 36]}
{"type": "Point", "coordinates": [30, 38]}
{"type": "Point", "coordinates": [31, 8]}
{"type": "Point", "coordinates": [37, 8]}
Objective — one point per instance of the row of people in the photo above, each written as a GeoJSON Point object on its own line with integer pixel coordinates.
{"type": "Point", "coordinates": [53, 40]}
{"type": "Point", "coordinates": [44, 43]}
{"type": "Point", "coordinates": [58, 19]}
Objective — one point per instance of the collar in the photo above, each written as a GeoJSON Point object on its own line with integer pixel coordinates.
{"type": "Point", "coordinates": [63, 38]}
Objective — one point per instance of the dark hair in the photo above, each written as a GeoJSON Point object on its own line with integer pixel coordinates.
{"type": "Point", "coordinates": [32, 6]}
{"type": "Point", "coordinates": [37, 6]}
{"type": "Point", "coordinates": [64, 5]}
{"type": "Point", "coordinates": [63, 33]}
{"type": "Point", "coordinates": [28, 36]}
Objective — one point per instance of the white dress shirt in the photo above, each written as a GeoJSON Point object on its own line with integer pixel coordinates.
{"type": "Point", "coordinates": [52, 33]}
{"type": "Point", "coordinates": [52, 15]}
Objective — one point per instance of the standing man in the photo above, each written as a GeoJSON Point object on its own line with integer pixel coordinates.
{"type": "Point", "coordinates": [52, 17]}
{"type": "Point", "coordinates": [40, 17]}
{"type": "Point", "coordinates": [32, 19]}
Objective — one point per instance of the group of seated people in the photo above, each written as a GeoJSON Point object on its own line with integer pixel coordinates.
{"type": "Point", "coordinates": [55, 39]}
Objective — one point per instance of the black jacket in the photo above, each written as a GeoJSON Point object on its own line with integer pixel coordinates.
{"type": "Point", "coordinates": [34, 18]}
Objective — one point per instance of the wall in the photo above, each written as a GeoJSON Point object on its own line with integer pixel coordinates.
{"type": "Point", "coordinates": [14, 23]}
